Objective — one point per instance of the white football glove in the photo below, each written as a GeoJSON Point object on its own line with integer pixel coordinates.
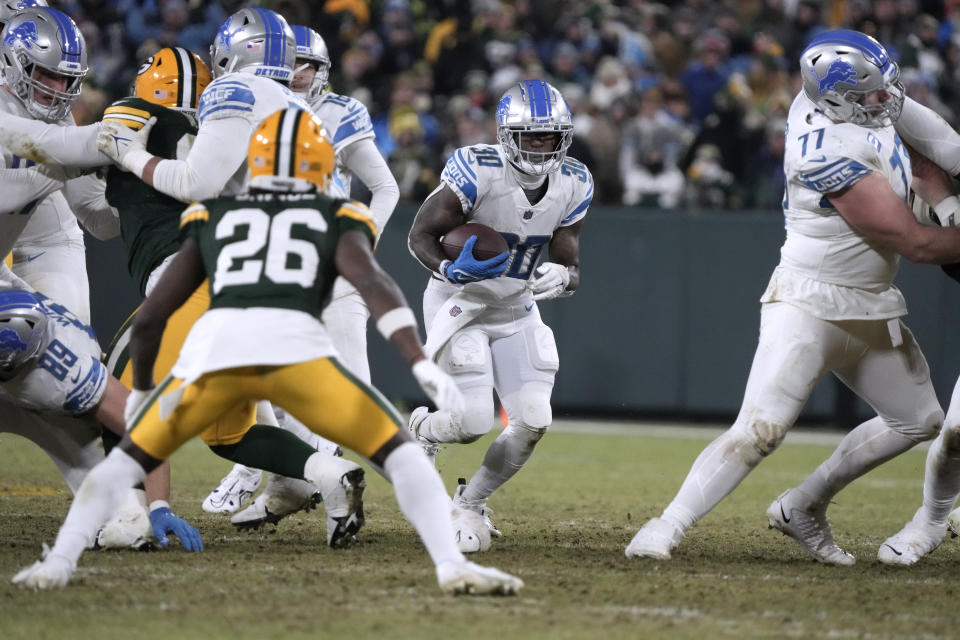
{"type": "Point", "coordinates": [134, 402]}
{"type": "Point", "coordinates": [438, 386]}
{"type": "Point", "coordinates": [121, 143]}
{"type": "Point", "coordinates": [550, 281]}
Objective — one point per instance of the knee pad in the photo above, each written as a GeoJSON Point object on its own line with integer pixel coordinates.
{"type": "Point", "coordinates": [477, 418]}
{"type": "Point", "coordinates": [763, 434]}
{"type": "Point", "coordinates": [466, 352]}
{"type": "Point", "coordinates": [926, 428]}
{"type": "Point", "coordinates": [530, 408]}
{"type": "Point", "coordinates": [542, 348]}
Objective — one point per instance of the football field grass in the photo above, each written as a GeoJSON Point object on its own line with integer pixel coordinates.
{"type": "Point", "coordinates": [566, 519]}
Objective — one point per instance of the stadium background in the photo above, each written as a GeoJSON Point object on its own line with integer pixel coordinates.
{"type": "Point", "coordinates": [679, 112]}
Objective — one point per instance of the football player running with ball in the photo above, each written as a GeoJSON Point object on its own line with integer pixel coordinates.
{"type": "Point", "coordinates": [483, 324]}
{"type": "Point", "coordinates": [271, 257]}
{"type": "Point", "coordinates": [830, 305]}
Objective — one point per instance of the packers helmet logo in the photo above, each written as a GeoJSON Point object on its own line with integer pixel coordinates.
{"type": "Point", "coordinates": [145, 66]}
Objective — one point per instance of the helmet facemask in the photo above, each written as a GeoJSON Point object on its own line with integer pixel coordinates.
{"type": "Point", "coordinates": [519, 148]}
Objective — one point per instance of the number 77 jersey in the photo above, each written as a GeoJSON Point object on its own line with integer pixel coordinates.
{"type": "Point", "coordinates": [490, 194]}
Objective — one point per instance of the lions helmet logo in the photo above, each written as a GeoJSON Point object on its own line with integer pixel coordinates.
{"type": "Point", "coordinates": [503, 109]}
{"type": "Point", "coordinates": [25, 32]}
{"type": "Point", "coordinates": [10, 340]}
{"type": "Point", "coordinates": [839, 71]}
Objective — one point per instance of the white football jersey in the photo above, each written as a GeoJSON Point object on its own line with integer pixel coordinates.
{"type": "Point", "coordinates": [244, 95]}
{"type": "Point", "coordinates": [490, 194]}
{"type": "Point", "coordinates": [67, 377]}
{"type": "Point", "coordinates": [47, 217]}
{"type": "Point", "coordinates": [347, 121]}
{"type": "Point", "coordinates": [826, 266]}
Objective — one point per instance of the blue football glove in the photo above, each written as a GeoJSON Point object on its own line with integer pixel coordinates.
{"type": "Point", "coordinates": [466, 268]}
{"type": "Point", "coordinates": [164, 522]}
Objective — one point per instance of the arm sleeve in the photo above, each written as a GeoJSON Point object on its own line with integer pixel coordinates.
{"type": "Point", "coordinates": [219, 150]}
{"type": "Point", "coordinates": [924, 130]}
{"type": "Point", "coordinates": [69, 146]}
{"type": "Point", "coordinates": [88, 202]}
{"type": "Point", "coordinates": [23, 187]}
{"type": "Point", "coordinates": [364, 160]}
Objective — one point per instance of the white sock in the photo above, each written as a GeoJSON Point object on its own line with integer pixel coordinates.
{"type": "Point", "coordinates": [867, 446]}
{"type": "Point", "coordinates": [102, 491]}
{"type": "Point", "coordinates": [715, 473]}
{"type": "Point", "coordinates": [423, 501]}
{"type": "Point", "coordinates": [297, 428]}
{"type": "Point", "coordinates": [941, 480]}
{"type": "Point", "coordinates": [505, 457]}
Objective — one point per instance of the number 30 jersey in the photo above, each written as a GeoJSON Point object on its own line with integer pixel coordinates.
{"type": "Point", "coordinates": [826, 267]}
{"type": "Point", "coordinates": [490, 194]}
{"type": "Point", "coordinates": [270, 263]}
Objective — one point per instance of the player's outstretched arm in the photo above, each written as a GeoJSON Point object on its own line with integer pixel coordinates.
{"type": "Point", "coordinates": [873, 208]}
{"type": "Point", "coordinates": [47, 143]}
{"type": "Point", "coordinates": [924, 130]}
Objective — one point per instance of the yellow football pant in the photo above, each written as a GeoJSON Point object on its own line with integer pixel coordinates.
{"type": "Point", "coordinates": [231, 426]}
{"type": "Point", "coordinates": [320, 393]}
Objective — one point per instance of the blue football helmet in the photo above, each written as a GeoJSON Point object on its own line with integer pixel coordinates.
{"type": "Point", "coordinates": [23, 325]}
{"type": "Point", "coordinates": [9, 8]}
{"type": "Point", "coordinates": [255, 40]}
{"type": "Point", "coordinates": [533, 106]}
{"type": "Point", "coordinates": [46, 39]}
{"type": "Point", "coordinates": [312, 48]}
{"type": "Point", "coordinates": [842, 70]}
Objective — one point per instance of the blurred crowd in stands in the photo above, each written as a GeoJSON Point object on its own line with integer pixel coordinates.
{"type": "Point", "coordinates": [677, 104]}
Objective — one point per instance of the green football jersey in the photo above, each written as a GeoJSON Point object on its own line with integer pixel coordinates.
{"type": "Point", "coordinates": [273, 249]}
{"type": "Point", "coordinates": [148, 219]}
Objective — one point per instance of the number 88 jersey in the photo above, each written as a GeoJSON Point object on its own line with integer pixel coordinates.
{"type": "Point", "coordinates": [490, 194]}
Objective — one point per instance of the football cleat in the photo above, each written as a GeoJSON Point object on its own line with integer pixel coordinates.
{"type": "Point", "coordinates": [235, 489]}
{"type": "Point", "coordinates": [479, 507]}
{"type": "Point", "coordinates": [280, 497]}
{"type": "Point", "coordinates": [918, 538]}
{"type": "Point", "coordinates": [809, 526]}
{"type": "Point", "coordinates": [342, 488]}
{"type": "Point", "coordinates": [417, 416]}
{"type": "Point", "coordinates": [129, 527]}
{"type": "Point", "coordinates": [953, 523]}
{"type": "Point", "coordinates": [467, 578]}
{"type": "Point", "coordinates": [53, 572]}
{"type": "Point", "coordinates": [656, 539]}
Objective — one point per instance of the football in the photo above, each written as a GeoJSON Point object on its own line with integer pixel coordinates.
{"type": "Point", "coordinates": [489, 241]}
